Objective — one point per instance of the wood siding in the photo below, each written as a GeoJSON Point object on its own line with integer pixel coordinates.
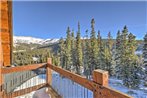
{"type": "Point", "coordinates": [6, 31]}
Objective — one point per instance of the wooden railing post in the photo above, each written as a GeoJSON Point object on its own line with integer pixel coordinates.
{"type": "Point", "coordinates": [100, 77]}
{"type": "Point", "coordinates": [49, 72]}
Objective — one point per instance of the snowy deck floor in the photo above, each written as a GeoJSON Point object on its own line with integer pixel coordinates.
{"type": "Point", "coordinates": [46, 93]}
{"type": "Point", "coordinates": [41, 93]}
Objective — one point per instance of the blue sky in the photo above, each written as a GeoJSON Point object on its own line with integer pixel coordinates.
{"type": "Point", "coordinates": [51, 19]}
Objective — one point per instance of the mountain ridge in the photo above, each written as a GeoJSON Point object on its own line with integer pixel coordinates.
{"type": "Point", "coordinates": [33, 40]}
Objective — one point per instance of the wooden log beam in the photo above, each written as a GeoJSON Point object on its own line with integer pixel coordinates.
{"type": "Point", "coordinates": [6, 31]}
{"type": "Point", "coordinates": [103, 91]}
{"type": "Point", "coordinates": [22, 68]}
{"type": "Point", "coordinates": [24, 91]}
{"type": "Point", "coordinates": [2, 6]}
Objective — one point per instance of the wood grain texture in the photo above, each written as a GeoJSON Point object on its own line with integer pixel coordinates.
{"type": "Point", "coordinates": [100, 77]}
{"type": "Point", "coordinates": [22, 68]}
{"type": "Point", "coordinates": [6, 31]}
{"type": "Point", "coordinates": [49, 73]}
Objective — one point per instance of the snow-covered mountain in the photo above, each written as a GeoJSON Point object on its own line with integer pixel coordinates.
{"type": "Point", "coordinates": [49, 41]}
{"type": "Point", "coordinates": [33, 40]}
{"type": "Point", "coordinates": [27, 40]}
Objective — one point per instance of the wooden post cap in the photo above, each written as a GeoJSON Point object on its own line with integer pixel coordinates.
{"type": "Point", "coordinates": [100, 77]}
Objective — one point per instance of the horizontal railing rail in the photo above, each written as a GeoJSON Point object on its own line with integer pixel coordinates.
{"type": "Point", "coordinates": [22, 68]}
{"type": "Point", "coordinates": [99, 85]}
{"type": "Point", "coordinates": [23, 91]}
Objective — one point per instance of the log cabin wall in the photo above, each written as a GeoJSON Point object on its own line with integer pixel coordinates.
{"type": "Point", "coordinates": [6, 31]}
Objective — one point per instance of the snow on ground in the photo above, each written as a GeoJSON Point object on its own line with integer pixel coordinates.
{"type": "Point", "coordinates": [138, 52]}
{"type": "Point", "coordinates": [136, 93]}
{"type": "Point", "coordinates": [41, 93]}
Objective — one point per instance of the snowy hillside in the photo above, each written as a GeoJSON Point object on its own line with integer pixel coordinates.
{"type": "Point", "coordinates": [32, 40]}
{"type": "Point", "coordinates": [47, 41]}
{"type": "Point", "coordinates": [140, 92]}
{"type": "Point", "coordinates": [27, 40]}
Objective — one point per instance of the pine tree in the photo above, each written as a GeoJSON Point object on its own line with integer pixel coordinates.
{"type": "Point", "coordinates": [79, 61]}
{"type": "Point", "coordinates": [68, 51]}
{"type": "Point", "coordinates": [128, 68]}
{"type": "Point", "coordinates": [118, 53]}
{"type": "Point", "coordinates": [98, 48]}
{"type": "Point", "coordinates": [145, 58]}
{"type": "Point", "coordinates": [110, 41]}
{"type": "Point", "coordinates": [98, 39]}
{"type": "Point", "coordinates": [123, 51]}
{"type": "Point", "coordinates": [124, 43]}
{"type": "Point", "coordinates": [48, 53]}
{"type": "Point", "coordinates": [93, 47]}
{"type": "Point", "coordinates": [87, 64]}
{"type": "Point", "coordinates": [108, 54]}
{"type": "Point", "coordinates": [101, 56]}
{"type": "Point", "coordinates": [62, 52]}
{"type": "Point", "coordinates": [131, 68]}
{"type": "Point", "coordinates": [73, 51]}
{"type": "Point", "coordinates": [145, 51]}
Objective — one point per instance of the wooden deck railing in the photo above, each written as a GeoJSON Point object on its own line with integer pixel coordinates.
{"type": "Point", "coordinates": [8, 70]}
{"type": "Point", "coordinates": [99, 85]}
